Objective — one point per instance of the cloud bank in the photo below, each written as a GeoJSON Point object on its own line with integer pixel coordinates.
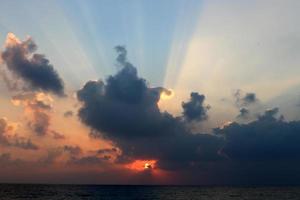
{"type": "Point", "coordinates": [123, 109]}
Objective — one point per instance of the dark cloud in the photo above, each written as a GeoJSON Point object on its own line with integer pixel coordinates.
{"type": "Point", "coordinates": [122, 57]}
{"type": "Point", "coordinates": [124, 110]}
{"type": "Point", "coordinates": [107, 151]}
{"type": "Point", "coordinates": [269, 115]}
{"type": "Point", "coordinates": [245, 99]}
{"type": "Point", "coordinates": [34, 69]}
{"type": "Point", "coordinates": [264, 151]}
{"type": "Point", "coordinates": [244, 113]}
{"type": "Point", "coordinates": [267, 138]}
{"type": "Point", "coordinates": [68, 113]}
{"type": "Point", "coordinates": [194, 110]}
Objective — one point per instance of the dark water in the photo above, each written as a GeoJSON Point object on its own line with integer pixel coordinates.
{"type": "Point", "coordinates": [87, 192]}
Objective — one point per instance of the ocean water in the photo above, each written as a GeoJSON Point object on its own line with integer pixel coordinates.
{"type": "Point", "coordinates": [91, 192]}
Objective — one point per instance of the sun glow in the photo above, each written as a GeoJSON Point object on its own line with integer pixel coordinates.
{"type": "Point", "coordinates": [148, 166]}
{"type": "Point", "coordinates": [140, 165]}
{"type": "Point", "coordinates": [167, 94]}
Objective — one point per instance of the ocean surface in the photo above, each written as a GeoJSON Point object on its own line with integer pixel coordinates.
{"type": "Point", "coordinates": [90, 192]}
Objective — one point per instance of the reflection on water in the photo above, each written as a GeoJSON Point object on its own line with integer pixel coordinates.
{"type": "Point", "coordinates": [90, 192]}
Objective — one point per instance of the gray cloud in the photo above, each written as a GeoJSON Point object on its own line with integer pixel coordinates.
{"type": "Point", "coordinates": [124, 109]}
{"type": "Point", "coordinates": [267, 138]}
{"type": "Point", "coordinates": [247, 99]}
{"type": "Point", "coordinates": [244, 113]}
{"type": "Point", "coordinates": [194, 110]}
{"type": "Point", "coordinates": [34, 69]}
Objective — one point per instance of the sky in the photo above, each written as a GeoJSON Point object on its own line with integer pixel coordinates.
{"type": "Point", "coordinates": [150, 92]}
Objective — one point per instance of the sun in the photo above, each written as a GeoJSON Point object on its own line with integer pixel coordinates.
{"type": "Point", "coordinates": [141, 165]}
{"type": "Point", "coordinates": [167, 94]}
{"type": "Point", "coordinates": [148, 166]}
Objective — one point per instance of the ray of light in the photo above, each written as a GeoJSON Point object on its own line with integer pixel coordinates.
{"type": "Point", "coordinates": [234, 49]}
{"type": "Point", "coordinates": [183, 33]}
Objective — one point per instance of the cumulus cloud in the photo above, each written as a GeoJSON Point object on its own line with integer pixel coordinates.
{"type": "Point", "coordinates": [267, 138]}
{"type": "Point", "coordinates": [33, 69]}
{"type": "Point", "coordinates": [194, 110]}
{"type": "Point", "coordinates": [124, 109]}
{"type": "Point", "coordinates": [246, 99]}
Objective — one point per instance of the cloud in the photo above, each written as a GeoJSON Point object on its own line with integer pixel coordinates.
{"type": "Point", "coordinates": [194, 109]}
{"type": "Point", "coordinates": [32, 68]}
{"type": "Point", "coordinates": [244, 113]}
{"type": "Point", "coordinates": [24, 143]}
{"type": "Point", "coordinates": [267, 138]}
{"type": "Point", "coordinates": [7, 160]}
{"type": "Point", "coordinates": [247, 99]}
{"type": "Point", "coordinates": [57, 135]}
{"type": "Point", "coordinates": [37, 106]}
{"type": "Point", "coordinates": [124, 110]}
{"type": "Point", "coordinates": [107, 151]}
{"type": "Point", "coordinates": [3, 128]}
{"type": "Point", "coordinates": [73, 150]}
{"type": "Point", "coordinates": [68, 113]}
{"type": "Point", "coordinates": [41, 123]}
{"type": "Point", "coordinates": [10, 139]}
{"type": "Point", "coordinates": [52, 155]}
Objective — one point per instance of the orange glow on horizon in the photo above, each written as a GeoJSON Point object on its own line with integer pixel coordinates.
{"type": "Point", "coordinates": [140, 165]}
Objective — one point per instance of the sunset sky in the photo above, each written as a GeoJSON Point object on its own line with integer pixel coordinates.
{"type": "Point", "coordinates": [150, 91]}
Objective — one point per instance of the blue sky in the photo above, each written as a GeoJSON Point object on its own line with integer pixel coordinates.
{"type": "Point", "coordinates": [89, 30]}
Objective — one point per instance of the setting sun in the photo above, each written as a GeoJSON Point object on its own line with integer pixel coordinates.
{"type": "Point", "coordinates": [148, 166]}
{"type": "Point", "coordinates": [140, 165]}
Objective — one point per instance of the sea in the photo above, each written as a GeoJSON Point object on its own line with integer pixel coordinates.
{"type": "Point", "coordinates": [110, 192]}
